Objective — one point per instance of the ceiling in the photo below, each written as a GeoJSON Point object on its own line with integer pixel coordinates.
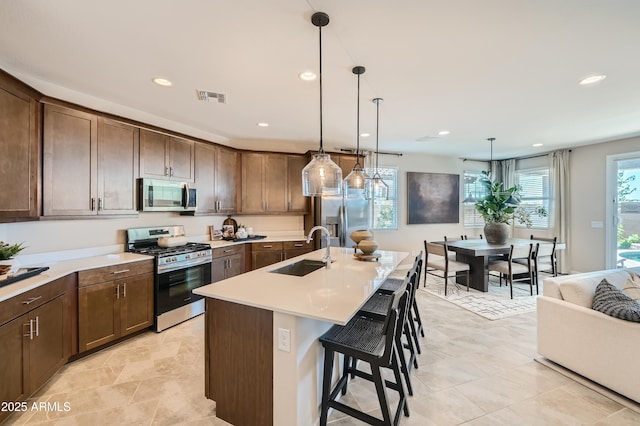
{"type": "Point", "coordinates": [495, 68]}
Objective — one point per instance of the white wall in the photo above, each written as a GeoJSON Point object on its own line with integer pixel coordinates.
{"type": "Point", "coordinates": [411, 237]}
{"type": "Point", "coordinates": [587, 248]}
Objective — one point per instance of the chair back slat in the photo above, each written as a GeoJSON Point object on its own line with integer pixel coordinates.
{"type": "Point", "coordinates": [437, 249]}
{"type": "Point", "coordinates": [521, 252]}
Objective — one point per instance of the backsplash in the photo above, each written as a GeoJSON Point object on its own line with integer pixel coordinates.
{"type": "Point", "coordinates": [91, 234]}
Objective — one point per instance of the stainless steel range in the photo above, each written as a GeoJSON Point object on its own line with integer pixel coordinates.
{"type": "Point", "coordinates": [181, 266]}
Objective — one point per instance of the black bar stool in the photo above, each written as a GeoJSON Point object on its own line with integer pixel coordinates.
{"type": "Point", "coordinates": [373, 341]}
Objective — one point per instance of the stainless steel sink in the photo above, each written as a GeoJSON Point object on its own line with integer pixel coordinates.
{"type": "Point", "coordinates": [300, 268]}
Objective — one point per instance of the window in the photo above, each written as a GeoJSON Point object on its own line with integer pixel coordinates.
{"type": "Point", "coordinates": [534, 184]}
{"type": "Point", "coordinates": [472, 190]}
{"type": "Point", "coordinates": [385, 212]}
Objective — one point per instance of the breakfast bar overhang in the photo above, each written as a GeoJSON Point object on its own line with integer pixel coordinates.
{"type": "Point", "coordinates": [263, 361]}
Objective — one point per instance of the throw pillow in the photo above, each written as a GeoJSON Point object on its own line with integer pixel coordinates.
{"type": "Point", "coordinates": [632, 289]}
{"type": "Point", "coordinates": [612, 301]}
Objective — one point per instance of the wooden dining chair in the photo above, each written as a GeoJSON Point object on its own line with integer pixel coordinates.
{"type": "Point", "coordinates": [513, 271]}
{"type": "Point", "coordinates": [437, 263]}
{"type": "Point", "coordinates": [546, 258]}
{"type": "Point", "coordinates": [465, 237]}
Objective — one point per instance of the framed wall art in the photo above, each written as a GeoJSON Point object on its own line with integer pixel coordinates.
{"type": "Point", "coordinates": [433, 198]}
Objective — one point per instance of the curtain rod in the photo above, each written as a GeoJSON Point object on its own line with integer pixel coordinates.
{"type": "Point", "coordinates": [516, 158]}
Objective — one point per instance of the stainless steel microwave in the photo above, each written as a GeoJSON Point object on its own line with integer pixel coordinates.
{"type": "Point", "coordinates": [156, 195]}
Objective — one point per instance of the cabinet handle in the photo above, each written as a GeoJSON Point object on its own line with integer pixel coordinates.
{"type": "Point", "coordinates": [298, 245]}
{"type": "Point", "coordinates": [118, 291]}
{"type": "Point", "coordinates": [30, 334]}
{"type": "Point", "coordinates": [93, 203]}
{"type": "Point", "coordinates": [120, 272]}
{"type": "Point", "coordinates": [31, 300]}
{"type": "Point", "coordinates": [228, 251]}
{"type": "Point", "coordinates": [166, 171]}
{"type": "Point", "coordinates": [171, 171]}
{"type": "Point", "coordinates": [124, 290]}
{"type": "Point", "coordinates": [267, 246]}
{"type": "Point", "coordinates": [37, 326]}
{"type": "Point", "coordinates": [99, 203]}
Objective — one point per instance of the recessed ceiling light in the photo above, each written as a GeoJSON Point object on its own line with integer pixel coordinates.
{"type": "Point", "coordinates": [162, 82]}
{"type": "Point", "coordinates": [263, 124]}
{"type": "Point", "coordinates": [536, 145]}
{"type": "Point", "coordinates": [443, 132]}
{"type": "Point", "coordinates": [307, 76]}
{"type": "Point", "coordinates": [365, 135]}
{"type": "Point", "coordinates": [592, 79]}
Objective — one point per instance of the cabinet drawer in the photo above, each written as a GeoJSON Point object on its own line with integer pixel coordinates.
{"type": "Point", "coordinates": [274, 246]}
{"type": "Point", "coordinates": [108, 273]}
{"type": "Point", "coordinates": [227, 251]}
{"type": "Point", "coordinates": [297, 245]}
{"type": "Point", "coordinates": [18, 305]}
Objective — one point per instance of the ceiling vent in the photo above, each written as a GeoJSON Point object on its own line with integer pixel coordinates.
{"type": "Point", "coordinates": [205, 95]}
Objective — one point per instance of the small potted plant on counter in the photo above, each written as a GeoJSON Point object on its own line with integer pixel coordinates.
{"type": "Point", "coordinates": [7, 263]}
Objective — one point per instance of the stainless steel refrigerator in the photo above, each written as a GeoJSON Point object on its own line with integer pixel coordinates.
{"type": "Point", "coordinates": [341, 215]}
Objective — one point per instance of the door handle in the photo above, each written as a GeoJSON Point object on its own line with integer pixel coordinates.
{"type": "Point", "coordinates": [118, 291]}
{"type": "Point", "coordinates": [37, 325]}
{"type": "Point", "coordinates": [124, 290]}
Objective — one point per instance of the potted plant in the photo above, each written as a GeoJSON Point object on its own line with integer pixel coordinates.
{"type": "Point", "coordinates": [7, 263]}
{"type": "Point", "coordinates": [499, 206]}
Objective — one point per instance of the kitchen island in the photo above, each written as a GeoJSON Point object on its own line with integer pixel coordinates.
{"type": "Point", "coordinates": [263, 360]}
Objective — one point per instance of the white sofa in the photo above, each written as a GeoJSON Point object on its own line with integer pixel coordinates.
{"type": "Point", "coordinates": [597, 346]}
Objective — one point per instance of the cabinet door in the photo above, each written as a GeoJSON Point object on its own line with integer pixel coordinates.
{"type": "Point", "coordinates": [227, 180]}
{"type": "Point", "coordinates": [98, 315]}
{"type": "Point", "coordinates": [253, 176]}
{"type": "Point", "coordinates": [219, 269]}
{"type": "Point", "coordinates": [69, 164]}
{"type": "Point", "coordinates": [181, 159]}
{"type": "Point", "coordinates": [19, 153]}
{"type": "Point", "coordinates": [205, 177]}
{"type": "Point", "coordinates": [136, 303]}
{"type": "Point", "coordinates": [14, 351]}
{"type": "Point", "coordinates": [297, 202]}
{"type": "Point", "coordinates": [47, 352]}
{"type": "Point", "coordinates": [265, 258]}
{"type": "Point", "coordinates": [118, 150]}
{"type": "Point", "coordinates": [153, 155]}
{"type": "Point", "coordinates": [275, 183]}
{"type": "Point", "coordinates": [235, 265]}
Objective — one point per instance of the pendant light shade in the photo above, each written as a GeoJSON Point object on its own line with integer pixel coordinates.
{"type": "Point", "coordinates": [321, 176]}
{"type": "Point", "coordinates": [357, 183]}
{"type": "Point", "coordinates": [378, 188]}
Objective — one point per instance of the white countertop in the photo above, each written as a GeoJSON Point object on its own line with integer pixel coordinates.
{"type": "Point", "coordinates": [60, 269]}
{"type": "Point", "coordinates": [333, 295]}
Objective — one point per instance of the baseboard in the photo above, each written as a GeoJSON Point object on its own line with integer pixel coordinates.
{"type": "Point", "coordinates": [614, 396]}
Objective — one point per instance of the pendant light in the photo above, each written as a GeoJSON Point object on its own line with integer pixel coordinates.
{"type": "Point", "coordinates": [321, 176]}
{"type": "Point", "coordinates": [378, 188]}
{"type": "Point", "coordinates": [357, 182]}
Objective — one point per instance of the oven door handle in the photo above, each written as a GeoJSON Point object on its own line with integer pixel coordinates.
{"type": "Point", "coordinates": [183, 265]}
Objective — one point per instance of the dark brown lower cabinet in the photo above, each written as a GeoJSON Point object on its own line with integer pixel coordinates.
{"type": "Point", "coordinates": [227, 262]}
{"type": "Point", "coordinates": [113, 309]}
{"type": "Point", "coordinates": [35, 338]}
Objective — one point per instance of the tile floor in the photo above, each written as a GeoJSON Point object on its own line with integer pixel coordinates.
{"type": "Point", "coordinates": [472, 371]}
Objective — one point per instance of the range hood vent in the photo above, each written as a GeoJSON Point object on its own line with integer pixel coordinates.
{"type": "Point", "coordinates": [207, 96]}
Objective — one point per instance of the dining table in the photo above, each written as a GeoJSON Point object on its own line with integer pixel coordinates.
{"type": "Point", "coordinates": [477, 253]}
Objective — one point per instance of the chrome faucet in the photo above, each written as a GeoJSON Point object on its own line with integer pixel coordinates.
{"type": "Point", "coordinates": [327, 256]}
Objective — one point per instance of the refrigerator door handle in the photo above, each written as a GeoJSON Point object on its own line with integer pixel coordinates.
{"type": "Point", "coordinates": [343, 226]}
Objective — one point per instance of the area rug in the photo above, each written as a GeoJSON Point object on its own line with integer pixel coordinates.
{"type": "Point", "coordinates": [494, 304]}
